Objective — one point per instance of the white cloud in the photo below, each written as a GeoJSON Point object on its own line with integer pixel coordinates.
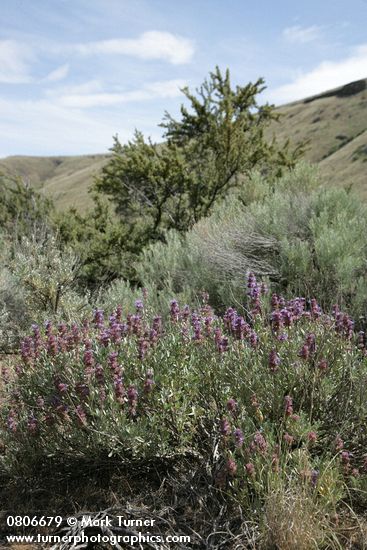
{"type": "Point", "coordinates": [301, 35]}
{"type": "Point", "coordinates": [59, 73]}
{"type": "Point", "coordinates": [88, 87]}
{"type": "Point", "coordinates": [59, 124]}
{"type": "Point", "coordinates": [327, 75]}
{"type": "Point", "coordinates": [165, 89]}
{"type": "Point", "coordinates": [41, 127]}
{"type": "Point", "coordinates": [149, 45]}
{"type": "Point", "coordinates": [15, 59]}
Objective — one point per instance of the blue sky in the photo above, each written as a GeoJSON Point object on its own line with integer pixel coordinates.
{"type": "Point", "coordinates": [73, 73]}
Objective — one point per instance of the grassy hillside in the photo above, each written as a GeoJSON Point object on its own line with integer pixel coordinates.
{"type": "Point", "coordinates": [334, 122]}
{"type": "Point", "coordinates": [65, 179]}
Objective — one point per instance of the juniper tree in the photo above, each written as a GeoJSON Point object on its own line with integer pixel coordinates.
{"type": "Point", "coordinates": [218, 139]}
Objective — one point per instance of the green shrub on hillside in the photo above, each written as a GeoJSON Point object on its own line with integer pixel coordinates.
{"type": "Point", "coordinates": [23, 211]}
{"type": "Point", "coordinates": [208, 152]}
{"type": "Point", "coordinates": [37, 284]}
{"type": "Point", "coordinates": [104, 246]}
{"type": "Point", "coordinates": [307, 239]}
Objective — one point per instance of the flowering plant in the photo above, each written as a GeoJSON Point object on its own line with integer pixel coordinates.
{"type": "Point", "coordinates": [274, 396]}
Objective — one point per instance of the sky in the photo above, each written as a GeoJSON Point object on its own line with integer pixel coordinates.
{"type": "Point", "coordinates": [74, 73]}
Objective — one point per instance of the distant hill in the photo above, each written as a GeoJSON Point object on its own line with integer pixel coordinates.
{"type": "Point", "coordinates": [65, 179]}
{"type": "Point", "coordinates": [335, 122]}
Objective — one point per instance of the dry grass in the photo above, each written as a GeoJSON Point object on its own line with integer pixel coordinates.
{"type": "Point", "coordinates": [65, 179]}
{"type": "Point", "coordinates": [292, 522]}
{"type": "Point", "coordinates": [179, 497]}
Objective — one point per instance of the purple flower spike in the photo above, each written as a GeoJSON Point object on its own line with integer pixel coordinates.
{"type": "Point", "coordinates": [186, 312]}
{"type": "Point", "coordinates": [62, 329]}
{"type": "Point", "coordinates": [27, 350]}
{"type": "Point", "coordinates": [288, 405]}
{"type": "Point", "coordinates": [289, 439]}
{"type": "Point", "coordinates": [157, 324]}
{"type": "Point", "coordinates": [276, 320]}
{"type": "Point", "coordinates": [287, 317]}
{"type": "Point", "coordinates": [62, 387]}
{"type": "Point", "coordinates": [225, 427]}
{"type": "Point", "coordinates": [132, 395]}
{"type": "Point", "coordinates": [48, 328]}
{"type": "Point", "coordinates": [82, 390]}
{"type": "Point", "coordinates": [88, 358]}
{"type": "Point", "coordinates": [315, 309]}
{"type": "Point", "coordinates": [223, 345]}
{"type": "Point", "coordinates": [81, 415]}
{"type": "Point", "coordinates": [259, 444]}
{"type": "Point", "coordinates": [149, 382]}
{"type": "Point", "coordinates": [115, 333]}
{"type": "Point", "coordinates": [119, 389]}
{"type": "Point", "coordinates": [208, 322]}
{"type": "Point", "coordinates": [153, 336]}
{"type": "Point", "coordinates": [274, 360]}
{"type": "Point", "coordinates": [37, 340]}
{"type": "Point", "coordinates": [112, 320]}
{"type": "Point", "coordinates": [143, 346]}
{"type": "Point", "coordinates": [323, 365]}
{"type": "Point", "coordinates": [345, 457]}
{"type": "Point", "coordinates": [311, 342]}
{"type": "Point", "coordinates": [231, 467]}
{"type": "Point", "coordinates": [314, 477]}
{"type": "Point", "coordinates": [139, 306]}
{"type": "Point", "coordinates": [251, 281]}
{"type": "Point", "coordinates": [238, 437]}
{"type": "Point", "coordinates": [174, 310]}
{"type": "Point", "coordinates": [275, 301]}
{"type": "Point", "coordinates": [52, 345]}
{"type": "Point", "coordinates": [32, 425]}
{"type": "Point", "coordinates": [113, 361]}
{"type": "Point", "coordinates": [197, 337]}
{"type": "Point", "coordinates": [118, 313]}
{"type": "Point", "coordinates": [232, 405]}
{"type": "Point", "coordinates": [99, 374]}
{"type": "Point", "coordinates": [229, 319]}
{"type": "Point", "coordinates": [253, 339]}
{"type": "Point", "coordinates": [241, 328]}
{"type": "Point", "coordinates": [104, 337]}
{"type": "Point", "coordinates": [12, 421]}
{"type": "Point", "coordinates": [250, 469]}
{"type": "Point", "coordinates": [304, 352]}
{"type": "Point", "coordinates": [99, 318]}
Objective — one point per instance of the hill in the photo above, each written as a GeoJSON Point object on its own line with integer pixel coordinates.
{"type": "Point", "coordinates": [334, 122]}
{"type": "Point", "coordinates": [65, 179]}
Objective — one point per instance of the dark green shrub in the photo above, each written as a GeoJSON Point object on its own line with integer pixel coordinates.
{"type": "Point", "coordinates": [208, 152]}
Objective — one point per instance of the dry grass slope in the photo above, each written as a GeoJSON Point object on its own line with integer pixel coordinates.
{"type": "Point", "coordinates": [335, 123]}
{"type": "Point", "coordinates": [65, 179]}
